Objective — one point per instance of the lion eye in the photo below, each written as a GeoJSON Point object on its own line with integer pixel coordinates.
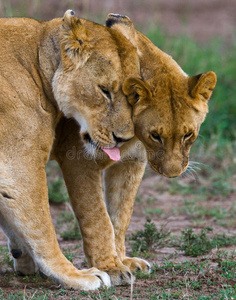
{"type": "Point", "coordinates": [187, 136]}
{"type": "Point", "coordinates": [155, 136]}
{"type": "Point", "coordinates": [136, 97]}
{"type": "Point", "coordinates": [106, 92]}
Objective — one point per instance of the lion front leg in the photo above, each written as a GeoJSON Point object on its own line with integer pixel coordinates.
{"type": "Point", "coordinates": [83, 179]}
{"type": "Point", "coordinates": [27, 222]}
{"type": "Point", "coordinates": [122, 181]}
{"type": "Point", "coordinates": [85, 190]}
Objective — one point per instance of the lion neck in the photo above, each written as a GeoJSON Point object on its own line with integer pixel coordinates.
{"type": "Point", "coordinates": [49, 54]}
{"type": "Point", "coordinates": [160, 62]}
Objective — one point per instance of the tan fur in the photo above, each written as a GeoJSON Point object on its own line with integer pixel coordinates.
{"type": "Point", "coordinates": [168, 109]}
{"type": "Point", "coordinates": [50, 68]}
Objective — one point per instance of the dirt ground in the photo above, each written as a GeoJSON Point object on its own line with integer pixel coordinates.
{"type": "Point", "coordinates": [199, 19]}
{"type": "Point", "coordinates": [153, 194]}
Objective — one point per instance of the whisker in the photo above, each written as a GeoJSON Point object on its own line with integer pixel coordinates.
{"type": "Point", "coordinates": [191, 172]}
{"type": "Point", "coordinates": [184, 175]}
{"type": "Point", "coordinates": [197, 163]}
{"type": "Point", "coordinates": [194, 168]}
{"type": "Point", "coordinates": [193, 164]}
{"type": "Point", "coordinates": [97, 147]}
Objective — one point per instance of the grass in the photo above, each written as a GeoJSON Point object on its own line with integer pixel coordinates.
{"type": "Point", "coordinates": [68, 254]}
{"type": "Point", "coordinates": [193, 244]}
{"type": "Point", "coordinates": [5, 257]}
{"type": "Point", "coordinates": [154, 211]}
{"type": "Point", "coordinates": [197, 276]}
{"type": "Point", "coordinates": [57, 191]}
{"type": "Point", "coordinates": [149, 238]}
{"type": "Point", "coordinates": [199, 244]}
{"type": "Point", "coordinates": [195, 209]}
{"type": "Point", "coordinates": [70, 230]}
{"type": "Point", "coordinates": [194, 279]}
{"type": "Point", "coordinates": [26, 294]}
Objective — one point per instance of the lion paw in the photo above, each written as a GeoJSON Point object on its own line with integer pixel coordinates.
{"type": "Point", "coordinates": [23, 263]}
{"type": "Point", "coordinates": [91, 279]}
{"type": "Point", "coordinates": [73, 278]}
{"type": "Point", "coordinates": [137, 264]}
{"type": "Point", "coordinates": [121, 275]}
{"type": "Point", "coordinates": [103, 276]}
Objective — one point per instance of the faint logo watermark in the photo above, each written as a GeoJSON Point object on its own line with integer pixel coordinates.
{"type": "Point", "coordinates": [138, 153]}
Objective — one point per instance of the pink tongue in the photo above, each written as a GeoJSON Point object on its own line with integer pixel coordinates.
{"type": "Point", "coordinates": [113, 153]}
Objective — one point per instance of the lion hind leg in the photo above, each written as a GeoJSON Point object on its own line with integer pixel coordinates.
{"type": "Point", "coordinates": [121, 185]}
{"type": "Point", "coordinates": [23, 262]}
{"type": "Point", "coordinates": [27, 216]}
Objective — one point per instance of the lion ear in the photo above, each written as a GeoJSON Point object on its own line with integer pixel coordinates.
{"type": "Point", "coordinates": [136, 90]}
{"type": "Point", "coordinates": [201, 86]}
{"type": "Point", "coordinates": [73, 38]}
{"type": "Point", "coordinates": [122, 24]}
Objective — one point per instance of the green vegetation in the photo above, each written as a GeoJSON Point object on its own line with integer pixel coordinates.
{"type": "Point", "coordinates": [153, 211]}
{"type": "Point", "coordinates": [68, 254]}
{"type": "Point", "coordinates": [199, 244]}
{"type": "Point", "coordinates": [5, 257]}
{"type": "Point", "coordinates": [149, 238]}
{"type": "Point", "coordinates": [191, 243]}
{"type": "Point", "coordinates": [197, 276]}
{"type": "Point", "coordinates": [224, 216]}
{"type": "Point", "coordinates": [70, 226]}
{"type": "Point", "coordinates": [57, 191]}
{"type": "Point", "coordinates": [73, 233]}
{"type": "Point", "coordinates": [39, 294]}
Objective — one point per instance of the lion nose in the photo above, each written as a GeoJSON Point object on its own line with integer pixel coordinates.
{"type": "Point", "coordinates": [120, 139]}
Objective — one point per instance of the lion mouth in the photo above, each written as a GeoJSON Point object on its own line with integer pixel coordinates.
{"type": "Point", "coordinates": [88, 139]}
{"type": "Point", "coordinates": [113, 153]}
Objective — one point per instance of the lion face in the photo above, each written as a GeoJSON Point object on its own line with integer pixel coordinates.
{"type": "Point", "coordinates": [169, 107]}
{"type": "Point", "coordinates": [88, 84]}
{"type": "Point", "coordinates": [168, 116]}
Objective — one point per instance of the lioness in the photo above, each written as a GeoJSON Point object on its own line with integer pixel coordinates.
{"type": "Point", "coordinates": [68, 66]}
{"type": "Point", "coordinates": [168, 109]}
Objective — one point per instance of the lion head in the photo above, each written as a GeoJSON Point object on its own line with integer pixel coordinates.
{"type": "Point", "coordinates": [95, 61]}
{"type": "Point", "coordinates": [168, 116]}
{"type": "Point", "coordinates": [169, 107]}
